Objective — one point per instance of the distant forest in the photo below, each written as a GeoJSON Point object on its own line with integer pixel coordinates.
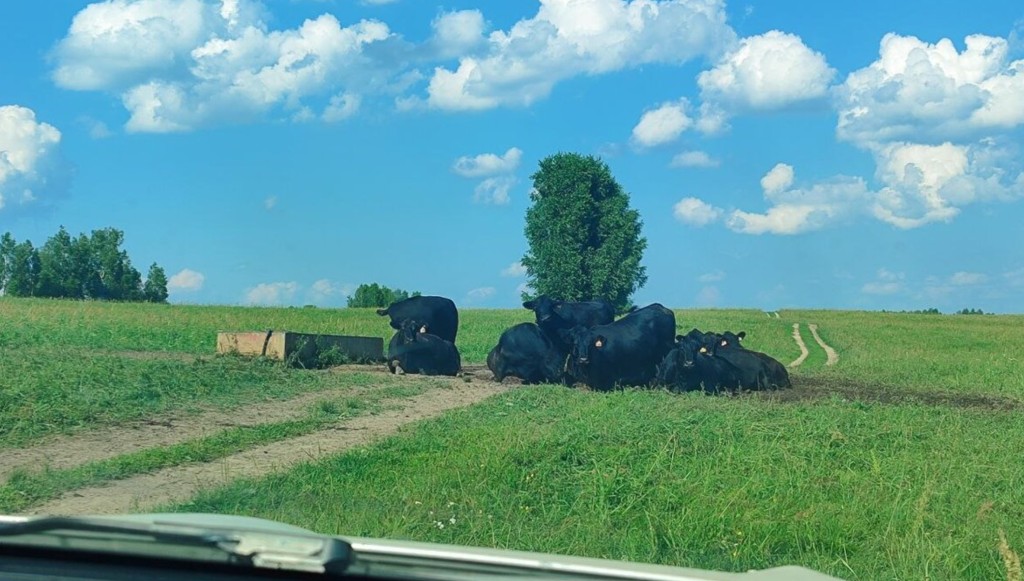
{"type": "Point", "coordinates": [86, 267]}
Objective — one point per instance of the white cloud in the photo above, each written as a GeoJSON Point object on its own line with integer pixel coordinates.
{"type": "Point", "coordinates": [324, 291]}
{"type": "Point", "coordinates": [480, 294]}
{"type": "Point", "coordinates": [493, 189]}
{"type": "Point", "coordinates": [662, 125]}
{"type": "Point", "coordinates": [931, 92]}
{"type": "Point", "coordinates": [887, 283]}
{"type": "Point", "coordinates": [29, 158]}
{"type": "Point", "coordinates": [568, 38]}
{"type": "Point", "coordinates": [777, 179]}
{"type": "Point", "coordinates": [514, 270]}
{"type": "Point", "coordinates": [97, 129]}
{"type": "Point", "coordinates": [709, 277]}
{"type": "Point", "coordinates": [524, 287]}
{"type": "Point", "coordinates": [696, 212]}
{"type": "Point", "coordinates": [459, 32]}
{"type": "Point", "coordinates": [767, 71]}
{"type": "Point", "coordinates": [341, 107]}
{"type": "Point", "coordinates": [271, 293]}
{"type": "Point", "coordinates": [181, 64]}
{"type": "Point", "coordinates": [269, 202]}
{"type": "Point", "coordinates": [708, 296]}
{"type": "Point", "coordinates": [186, 280]}
{"type": "Point", "coordinates": [378, 2]}
{"type": "Point", "coordinates": [488, 164]}
{"type": "Point", "coordinates": [693, 159]}
{"type": "Point", "coordinates": [967, 278]}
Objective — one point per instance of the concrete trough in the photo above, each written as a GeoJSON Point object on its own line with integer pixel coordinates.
{"type": "Point", "coordinates": [302, 349]}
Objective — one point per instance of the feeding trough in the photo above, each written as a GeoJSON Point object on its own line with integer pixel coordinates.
{"type": "Point", "coordinates": [302, 349]}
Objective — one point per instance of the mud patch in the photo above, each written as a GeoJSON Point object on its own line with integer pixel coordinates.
{"type": "Point", "coordinates": [807, 389]}
{"type": "Point", "coordinates": [180, 483]}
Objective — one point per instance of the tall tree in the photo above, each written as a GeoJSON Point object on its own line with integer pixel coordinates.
{"type": "Point", "coordinates": [155, 289]}
{"type": "Point", "coordinates": [7, 244]}
{"type": "Point", "coordinates": [58, 275]}
{"type": "Point", "coordinates": [585, 241]}
{"type": "Point", "coordinates": [23, 271]}
{"type": "Point", "coordinates": [119, 280]}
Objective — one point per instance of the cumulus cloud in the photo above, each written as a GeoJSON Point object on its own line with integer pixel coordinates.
{"type": "Point", "coordinates": [967, 278]}
{"type": "Point", "coordinates": [514, 270]}
{"type": "Point", "coordinates": [696, 212]}
{"type": "Point", "coordinates": [568, 38]}
{"type": "Point", "coordinates": [271, 293]}
{"type": "Point", "coordinates": [663, 124]}
{"type": "Point", "coordinates": [495, 188]}
{"type": "Point", "coordinates": [480, 294]}
{"type": "Point", "coordinates": [324, 291]}
{"type": "Point", "coordinates": [917, 89]}
{"type": "Point", "coordinates": [180, 64]}
{"type": "Point", "coordinates": [270, 202]}
{"type": "Point", "coordinates": [886, 283]}
{"type": "Point", "coordinates": [709, 277]}
{"type": "Point", "coordinates": [777, 179]}
{"type": "Point", "coordinates": [457, 33]}
{"type": "Point", "coordinates": [488, 164]}
{"type": "Point", "coordinates": [693, 159]}
{"type": "Point", "coordinates": [186, 280]}
{"type": "Point", "coordinates": [30, 162]}
{"type": "Point", "coordinates": [767, 71]}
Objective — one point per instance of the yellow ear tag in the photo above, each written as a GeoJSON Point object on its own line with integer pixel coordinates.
{"type": "Point", "coordinates": [423, 329]}
{"type": "Point", "coordinates": [703, 349]}
{"type": "Point", "coordinates": [724, 343]}
{"type": "Point", "coordinates": [598, 344]}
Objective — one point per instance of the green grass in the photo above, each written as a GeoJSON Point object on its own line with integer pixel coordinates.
{"type": "Point", "coordinates": [857, 490]}
{"type": "Point", "coordinates": [25, 489]}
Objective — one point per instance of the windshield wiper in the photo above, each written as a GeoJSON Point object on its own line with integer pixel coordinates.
{"type": "Point", "coordinates": [266, 550]}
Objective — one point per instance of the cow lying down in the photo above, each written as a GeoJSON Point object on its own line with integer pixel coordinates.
{"type": "Point", "coordinates": [414, 349]}
{"type": "Point", "coordinates": [718, 363]}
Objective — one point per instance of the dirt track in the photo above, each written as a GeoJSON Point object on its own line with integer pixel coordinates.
{"type": "Point", "coordinates": [182, 482]}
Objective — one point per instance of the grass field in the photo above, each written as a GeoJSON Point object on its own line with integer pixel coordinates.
{"type": "Point", "coordinates": [863, 485]}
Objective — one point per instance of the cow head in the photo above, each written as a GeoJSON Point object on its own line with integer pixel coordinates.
{"type": "Point", "coordinates": [730, 339]}
{"type": "Point", "coordinates": [544, 308]}
{"type": "Point", "coordinates": [410, 329]}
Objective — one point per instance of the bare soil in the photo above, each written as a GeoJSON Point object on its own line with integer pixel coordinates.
{"type": "Point", "coordinates": [799, 343]}
{"type": "Point", "coordinates": [180, 483]}
{"type": "Point", "coordinates": [833, 357]}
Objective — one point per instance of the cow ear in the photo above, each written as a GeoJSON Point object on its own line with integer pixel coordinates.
{"type": "Point", "coordinates": [599, 341]}
{"type": "Point", "coordinates": [741, 335]}
{"type": "Point", "coordinates": [382, 312]}
{"type": "Point", "coordinates": [529, 305]}
{"type": "Point", "coordinates": [680, 338]}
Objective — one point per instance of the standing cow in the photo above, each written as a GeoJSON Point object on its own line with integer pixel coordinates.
{"type": "Point", "coordinates": [555, 317]}
{"type": "Point", "coordinates": [625, 352]}
{"type": "Point", "coordinates": [438, 314]}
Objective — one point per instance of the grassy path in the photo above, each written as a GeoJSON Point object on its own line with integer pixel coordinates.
{"type": "Point", "coordinates": [179, 483]}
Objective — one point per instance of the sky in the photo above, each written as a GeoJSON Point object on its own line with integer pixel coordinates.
{"type": "Point", "coordinates": [781, 154]}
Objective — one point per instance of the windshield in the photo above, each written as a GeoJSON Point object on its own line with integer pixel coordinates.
{"type": "Point", "coordinates": [724, 285]}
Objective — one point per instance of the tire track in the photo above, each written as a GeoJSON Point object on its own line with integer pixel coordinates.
{"type": "Point", "coordinates": [799, 343]}
{"type": "Point", "coordinates": [180, 483]}
{"type": "Point", "coordinates": [833, 357]}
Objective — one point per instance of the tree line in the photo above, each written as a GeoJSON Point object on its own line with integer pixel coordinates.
{"type": "Point", "coordinates": [84, 267]}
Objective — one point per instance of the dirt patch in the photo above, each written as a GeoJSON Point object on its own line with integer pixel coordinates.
{"type": "Point", "coordinates": [157, 355]}
{"type": "Point", "coordinates": [799, 343]}
{"type": "Point", "coordinates": [814, 388]}
{"type": "Point", "coordinates": [183, 482]}
{"type": "Point", "coordinates": [107, 442]}
{"type": "Point", "coordinates": [833, 357]}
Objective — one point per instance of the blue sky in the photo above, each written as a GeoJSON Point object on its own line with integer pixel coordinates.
{"type": "Point", "coordinates": [781, 154]}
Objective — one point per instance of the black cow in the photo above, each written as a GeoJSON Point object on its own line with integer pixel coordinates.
{"type": "Point", "coordinates": [526, 352]}
{"type": "Point", "coordinates": [414, 351]}
{"type": "Point", "coordinates": [555, 317]}
{"type": "Point", "coordinates": [437, 313]}
{"type": "Point", "coordinates": [691, 367]}
{"type": "Point", "coordinates": [778, 377]}
{"type": "Point", "coordinates": [625, 352]}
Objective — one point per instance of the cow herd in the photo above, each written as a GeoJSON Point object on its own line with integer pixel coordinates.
{"type": "Point", "coordinates": [582, 343]}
